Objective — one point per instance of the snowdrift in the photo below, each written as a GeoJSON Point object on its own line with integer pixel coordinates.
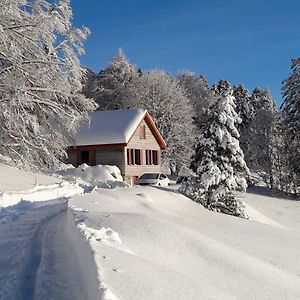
{"type": "Point", "coordinates": [103, 176]}
{"type": "Point", "coordinates": [150, 243]}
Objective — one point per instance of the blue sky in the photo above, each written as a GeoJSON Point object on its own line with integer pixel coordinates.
{"type": "Point", "coordinates": [249, 42]}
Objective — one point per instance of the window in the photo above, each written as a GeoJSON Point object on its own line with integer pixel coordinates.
{"type": "Point", "coordinates": [137, 156]}
{"type": "Point", "coordinates": [154, 157]}
{"type": "Point", "coordinates": [149, 176]}
{"type": "Point", "coordinates": [134, 157]}
{"type": "Point", "coordinates": [151, 157]}
{"type": "Point", "coordinates": [143, 132]}
{"type": "Point", "coordinates": [162, 176]}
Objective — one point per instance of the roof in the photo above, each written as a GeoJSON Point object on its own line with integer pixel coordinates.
{"type": "Point", "coordinates": [115, 127]}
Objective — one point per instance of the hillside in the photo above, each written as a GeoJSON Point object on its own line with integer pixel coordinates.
{"type": "Point", "coordinates": [151, 243]}
{"type": "Point", "coordinates": [144, 243]}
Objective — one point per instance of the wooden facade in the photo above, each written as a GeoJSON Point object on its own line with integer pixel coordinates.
{"type": "Point", "coordinates": [141, 154]}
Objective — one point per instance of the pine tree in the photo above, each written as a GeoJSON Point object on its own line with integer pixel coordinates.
{"type": "Point", "coordinates": [291, 115]}
{"type": "Point", "coordinates": [41, 104]}
{"type": "Point", "coordinates": [260, 132]}
{"type": "Point", "coordinates": [291, 96]}
{"type": "Point", "coordinates": [113, 85]}
{"type": "Point", "coordinates": [218, 161]}
{"type": "Point", "coordinates": [221, 88]}
{"type": "Point", "coordinates": [245, 111]}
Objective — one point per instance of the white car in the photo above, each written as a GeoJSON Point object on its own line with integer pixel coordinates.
{"type": "Point", "coordinates": [157, 179]}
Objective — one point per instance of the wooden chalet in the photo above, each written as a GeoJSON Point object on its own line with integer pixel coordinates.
{"type": "Point", "coordinates": [127, 138]}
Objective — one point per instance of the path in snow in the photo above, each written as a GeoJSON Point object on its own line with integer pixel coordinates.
{"type": "Point", "coordinates": [43, 255]}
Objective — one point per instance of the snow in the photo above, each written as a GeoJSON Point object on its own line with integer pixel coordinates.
{"type": "Point", "coordinates": [149, 243]}
{"type": "Point", "coordinates": [103, 176]}
{"type": "Point", "coordinates": [17, 185]}
{"type": "Point", "coordinates": [40, 193]}
{"type": "Point", "coordinates": [13, 179]}
{"type": "Point", "coordinates": [110, 127]}
{"type": "Point", "coordinates": [42, 254]}
{"type": "Point", "coordinates": [161, 245]}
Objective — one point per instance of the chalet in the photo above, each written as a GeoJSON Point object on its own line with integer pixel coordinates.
{"type": "Point", "coordinates": [127, 138]}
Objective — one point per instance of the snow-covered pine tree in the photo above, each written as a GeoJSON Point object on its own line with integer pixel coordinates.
{"type": "Point", "coordinates": [291, 115]}
{"type": "Point", "coordinates": [221, 88]}
{"type": "Point", "coordinates": [41, 105]}
{"type": "Point", "coordinates": [219, 161]}
{"type": "Point", "coordinates": [172, 113]}
{"type": "Point", "coordinates": [88, 81]}
{"type": "Point", "coordinates": [291, 96]}
{"type": "Point", "coordinates": [260, 130]}
{"type": "Point", "coordinates": [245, 111]}
{"type": "Point", "coordinates": [113, 85]}
{"type": "Point", "coordinates": [279, 172]}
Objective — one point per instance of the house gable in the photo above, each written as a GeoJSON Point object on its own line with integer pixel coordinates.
{"type": "Point", "coordinates": [138, 141]}
{"type": "Point", "coordinates": [151, 130]}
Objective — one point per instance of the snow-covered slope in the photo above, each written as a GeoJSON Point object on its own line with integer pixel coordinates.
{"type": "Point", "coordinates": [13, 179]}
{"type": "Point", "coordinates": [151, 243]}
{"type": "Point", "coordinates": [17, 185]}
{"type": "Point", "coordinates": [147, 243]}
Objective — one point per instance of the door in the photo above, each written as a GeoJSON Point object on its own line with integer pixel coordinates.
{"type": "Point", "coordinates": [85, 157]}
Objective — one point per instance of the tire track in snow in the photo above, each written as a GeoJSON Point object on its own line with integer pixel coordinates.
{"type": "Point", "coordinates": [27, 286]}
{"type": "Point", "coordinates": [43, 255]}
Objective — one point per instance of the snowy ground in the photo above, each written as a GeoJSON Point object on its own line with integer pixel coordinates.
{"type": "Point", "coordinates": [43, 255]}
{"type": "Point", "coordinates": [151, 243]}
{"type": "Point", "coordinates": [148, 243]}
{"type": "Point", "coordinates": [12, 179]}
{"type": "Point", "coordinates": [17, 185]}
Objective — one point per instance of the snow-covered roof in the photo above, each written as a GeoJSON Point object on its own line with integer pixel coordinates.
{"type": "Point", "coordinates": [110, 127]}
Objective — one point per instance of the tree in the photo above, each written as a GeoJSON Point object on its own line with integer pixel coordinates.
{"type": "Point", "coordinates": [291, 96]}
{"type": "Point", "coordinates": [198, 92]}
{"type": "Point", "coordinates": [291, 115]}
{"type": "Point", "coordinates": [172, 112]}
{"type": "Point", "coordinates": [218, 161]}
{"type": "Point", "coordinates": [260, 130]}
{"type": "Point", "coordinates": [221, 88]}
{"type": "Point", "coordinates": [113, 85]}
{"type": "Point", "coordinates": [245, 111]}
{"type": "Point", "coordinates": [41, 105]}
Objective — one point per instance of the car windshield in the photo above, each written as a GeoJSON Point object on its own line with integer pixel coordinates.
{"type": "Point", "coordinates": [149, 176]}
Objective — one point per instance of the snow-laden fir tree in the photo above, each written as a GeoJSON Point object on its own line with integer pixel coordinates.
{"type": "Point", "coordinates": [291, 115]}
{"type": "Point", "coordinates": [219, 161]}
{"type": "Point", "coordinates": [41, 105]}
{"type": "Point", "coordinates": [112, 85]}
{"type": "Point", "coordinates": [172, 113]}
{"type": "Point", "coordinates": [221, 88]}
{"type": "Point", "coordinates": [245, 111]}
{"type": "Point", "coordinates": [260, 131]}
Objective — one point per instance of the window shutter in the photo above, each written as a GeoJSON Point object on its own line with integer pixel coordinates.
{"type": "Point", "coordinates": [141, 156]}
{"type": "Point", "coordinates": [143, 132]}
{"type": "Point", "coordinates": [128, 156]}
